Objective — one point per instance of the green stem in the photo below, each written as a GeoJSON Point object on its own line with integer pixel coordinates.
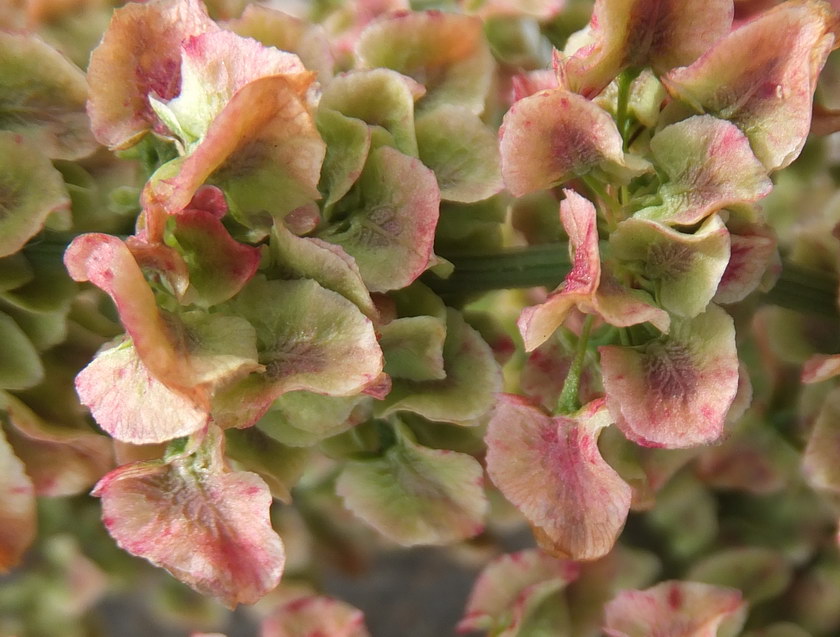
{"type": "Point", "coordinates": [799, 288]}
{"type": "Point", "coordinates": [625, 80]}
{"type": "Point", "coordinates": [568, 402]}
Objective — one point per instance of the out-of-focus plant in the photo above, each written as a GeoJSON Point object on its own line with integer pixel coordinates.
{"type": "Point", "coordinates": [274, 283]}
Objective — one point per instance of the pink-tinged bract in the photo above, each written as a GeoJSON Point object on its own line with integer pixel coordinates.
{"type": "Point", "coordinates": [415, 495]}
{"type": "Point", "coordinates": [141, 50]}
{"type": "Point", "coordinates": [263, 150]}
{"type": "Point", "coordinates": [675, 391]}
{"type": "Point", "coordinates": [61, 460]}
{"type": "Point", "coordinates": [552, 471]}
{"type": "Point", "coordinates": [107, 262]}
{"type": "Point", "coordinates": [390, 231]}
{"type": "Point", "coordinates": [586, 286]}
{"type": "Point", "coordinates": [45, 94]}
{"type": "Point", "coordinates": [638, 33]}
{"type": "Point", "coordinates": [685, 269]}
{"type": "Point", "coordinates": [553, 136]}
{"type": "Point", "coordinates": [205, 524]}
{"type": "Point", "coordinates": [130, 404]}
{"type": "Point", "coordinates": [308, 338]}
{"type": "Point", "coordinates": [214, 66]}
{"type": "Point", "coordinates": [675, 609]}
{"type": "Point", "coordinates": [445, 52]}
{"type": "Point", "coordinates": [709, 165]}
{"type": "Point", "coordinates": [752, 254]}
{"type": "Point", "coordinates": [287, 33]}
{"type": "Point", "coordinates": [315, 617]}
{"type": "Point", "coordinates": [30, 190]}
{"type": "Point", "coordinates": [219, 266]}
{"type": "Point", "coordinates": [764, 88]}
{"type": "Point", "coordinates": [17, 508]}
{"type": "Point", "coordinates": [191, 354]}
{"type": "Point", "coordinates": [507, 580]}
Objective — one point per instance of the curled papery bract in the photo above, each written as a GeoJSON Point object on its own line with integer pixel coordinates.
{"type": "Point", "coordinates": [214, 66]}
{"type": "Point", "coordinates": [552, 471]}
{"type": "Point", "coordinates": [709, 165]}
{"type": "Point", "coordinates": [308, 338]}
{"type": "Point", "coordinates": [30, 190]}
{"type": "Point", "coordinates": [219, 266]}
{"type": "Point", "coordinates": [393, 108]}
{"type": "Point", "coordinates": [206, 525]}
{"type": "Point", "coordinates": [586, 286]}
{"type": "Point", "coordinates": [17, 508]}
{"type": "Point", "coordinates": [553, 136]}
{"type": "Point", "coordinates": [676, 390]}
{"type": "Point", "coordinates": [764, 87]}
{"type": "Point", "coordinates": [139, 56]}
{"type": "Point", "coordinates": [263, 150]}
{"type": "Point", "coordinates": [637, 33]}
{"type": "Point", "coordinates": [314, 616]}
{"type": "Point", "coordinates": [685, 268]}
{"type": "Point", "coordinates": [130, 404]}
{"type": "Point", "coordinates": [538, 323]}
{"type": "Point", "coordinates": [752, 255]}
{"type": "Point", "coordinates": [416, 495]}
{"type": "Point", "coordinates": [191, 354]}
{"type": "Point", "coordinates": [310, 258]}
{"type": "Point", "coordinates": [676, 609]}
{"type": "Point", "coordinates": [510, 579]}
{"type": "Point", "coordinates": [390, 231]}
{"type": "Point", "coordinates": [42, 96]}
{"type": "Point", "coordinates": [287, 33]}
{"type": "Point", "coordinates": [107, 262]}
{"type": "Point", "coordinates": [445, 52]}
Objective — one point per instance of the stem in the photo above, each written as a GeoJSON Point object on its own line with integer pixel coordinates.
{"type": "Point", "coordinates": [568, 402]}
{"type": "Point", "coordinates": [625, 80]}
{"type": "Point", "coordinates": [799, 288]}
{"type": "Point", "coordinates": [611, 205]}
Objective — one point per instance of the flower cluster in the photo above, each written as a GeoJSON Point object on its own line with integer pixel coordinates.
{"type": "Point", "coordinates": [278, 231]}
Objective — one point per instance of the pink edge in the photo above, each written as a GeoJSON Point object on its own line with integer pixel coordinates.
{"type": "Point", "coordinates": [676, 391]}
{"type": "Point", "coordinates": [139, 56]}
{"type": "Point", "coordinates": [210, 528]}
{"type": "Point", "coordinates": [538, 323]}
{"type": "Point", "coordinates": [552, 136]}
{"type": "Point", "coordinates": [506, 580]}
{"type": "Point", "coordinates": [535, 459]}
{"type": "Point", "coordinates": [675, 609]}
{"type": "Point", "coordinates": [315, 617]}
{"type": "Point", "coordinates": [106, 262]}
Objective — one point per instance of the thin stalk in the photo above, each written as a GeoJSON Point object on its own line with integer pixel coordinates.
{"type": "Point", "coordinates": [568, 402]}
{"type": "Point", "coordinates": [800, 289]}
{"type": "Point", "coordinates": [625, 80]}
